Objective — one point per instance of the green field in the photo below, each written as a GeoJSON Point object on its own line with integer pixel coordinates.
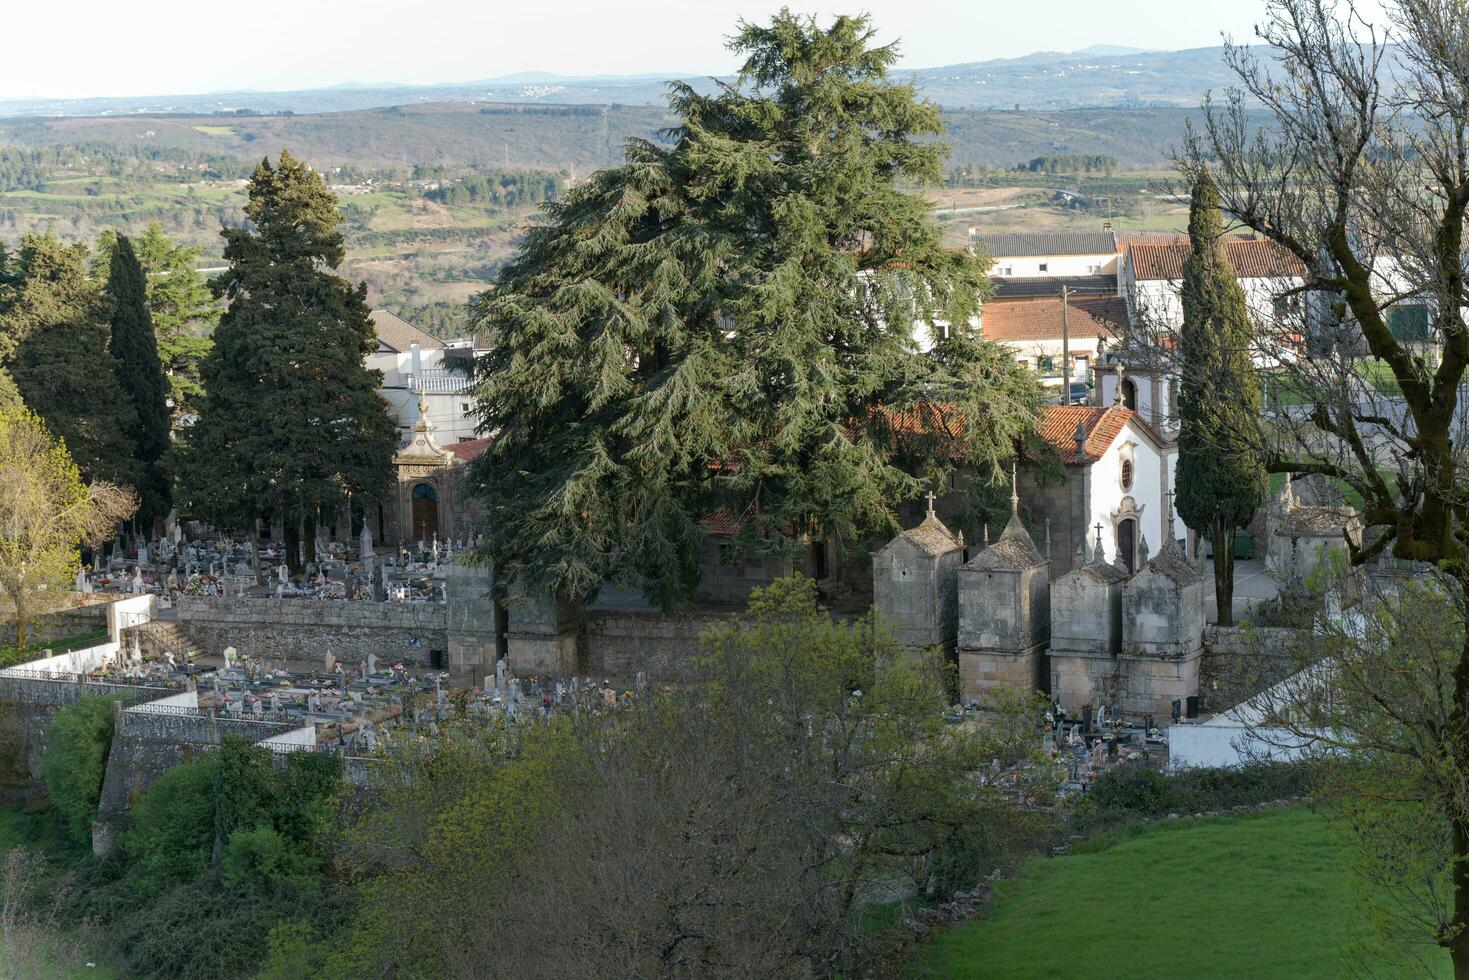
{"type": "Point", "coordinates": [1257, 897]}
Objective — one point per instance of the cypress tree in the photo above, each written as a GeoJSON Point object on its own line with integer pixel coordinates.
{"type": "Point", "coordinates": [1221, 478]}
{"type": "Point", "coordinates": [290, 422]}
{"type": "Point", "coordinates": [136, 351]}
{"type": "Point", "coordinates": [55, 331]}
{"type": "Point", "coordinates": [724, 322]}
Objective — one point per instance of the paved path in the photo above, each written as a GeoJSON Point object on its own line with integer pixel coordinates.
{"type": "Point", "coordinates": [1252, 585]}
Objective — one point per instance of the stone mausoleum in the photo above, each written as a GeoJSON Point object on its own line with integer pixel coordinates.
{"type": "Point", "coordinates": [1098, 634]}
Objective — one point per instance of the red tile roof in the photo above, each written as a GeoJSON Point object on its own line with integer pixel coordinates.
{"type": "Point", "coordinates": [721, 522]}
{"type": "Point", "coordinates": [1040, 319]}
{"type": "Point", "coordinates": [1101, 425]}
{"type": "Point", "coordinates": [1252, 258]}
{"type": "Point", "coordinates": [468, 449]}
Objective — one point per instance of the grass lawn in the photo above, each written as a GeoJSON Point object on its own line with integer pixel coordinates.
{"type": "Point", "coordinates": [1252, 897]}
{"type": "Point", "coordinates": [36, 649]}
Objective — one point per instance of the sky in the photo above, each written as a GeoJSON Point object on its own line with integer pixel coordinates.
{"type": "Point", "coordinates": [164, 47]}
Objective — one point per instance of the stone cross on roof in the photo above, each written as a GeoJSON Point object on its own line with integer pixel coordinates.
{"type": "Point", "coordinates": [930, 503]}
{"type": "Point", "coordinates": [1014, 492]}
{"type": "Point", "coordinates": [1098, 555]}
{"type": "Point", "coordinates": [1117, 396]}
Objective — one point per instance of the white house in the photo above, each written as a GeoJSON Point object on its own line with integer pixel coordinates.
{"type": "Point", "coordinates": [1151, 278]}
{"type": "Point", "coordinates": [1056, 255]}
{"type": "Point", "coordinates": [1036, 329]}
{"type": "Point", "coordinates": [415, 364]}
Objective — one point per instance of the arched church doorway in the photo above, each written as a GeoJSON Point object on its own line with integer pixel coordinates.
{"type": "Point", "coordinates": [425, 505]}
{"type": "Point", "coordinates": [1127, 543]}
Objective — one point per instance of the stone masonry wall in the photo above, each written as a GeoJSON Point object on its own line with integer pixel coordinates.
{"type": "Point", "coordinates": [297, 629]}
{"type": "Point", "coordinates": [89, 614]}
{"type": "Point", "coordinates": [27, 706]}
{"type": "Point", "coordinates": [619, 644]}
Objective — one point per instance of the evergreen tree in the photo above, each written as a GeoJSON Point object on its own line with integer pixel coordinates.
{"type": "Point", "coordinates": [724, 323]}
{"type": "Point", "coordinates": [1221, 478]}
{"type": "Point", "coordinates": [290, 421]}
{"type": "Point", "coordinates": [136, 351]}
{"type": "Point", "coordinates": [55, 338]}
{"type": "Point", "coordinates": [184, 310]}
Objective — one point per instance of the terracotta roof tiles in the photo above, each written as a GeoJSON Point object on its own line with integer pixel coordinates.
{"type": "Point", "coordinates": [1040, 319]}
{"type": "Point", "coordinates": [1252, 258]}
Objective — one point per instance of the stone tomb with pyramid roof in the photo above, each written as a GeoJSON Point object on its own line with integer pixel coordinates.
{"type": "Point", "coordinates": [915, 585]}
{"type": "Point", "coordinates": [1004, 612]}
{"type": "Point", "coordinates": [1086, 629]}
{"type": "Point", "coordinates": [1095, 636]}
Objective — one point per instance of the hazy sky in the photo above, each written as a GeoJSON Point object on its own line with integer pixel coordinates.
{"type": "Point", "coordinates": [154, 47]}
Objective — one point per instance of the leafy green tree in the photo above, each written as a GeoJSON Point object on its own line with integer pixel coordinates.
{"type": "Point", "coordinates": [1221, 476]}
{"type": "Point", "coordinates": [136, 350]}
{"type": "Point", "coordinates": [47, 512]}
{"type": "Point", "coordinates": [737, 822]}
{"type": "Point", "coordinates": [171, 836]}
{"type": "Point", "coordinates": [290, 422]}
{"type": "Point", "coordinates": [726, 323]}
{"type": "Point", "coordinates": [183, 308]}
{"type": "Point", "coordinates": [77, 743]}
{"type": "Point", "coordinates": [55, 337]}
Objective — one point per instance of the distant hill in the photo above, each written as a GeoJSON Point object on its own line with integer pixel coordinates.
{"type": "Point", "coordinates": [570, 137]}
{"type": "Point", "coordinates": [1102, 75]}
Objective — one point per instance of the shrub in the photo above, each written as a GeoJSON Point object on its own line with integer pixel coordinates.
{"type": "Point", "coordinates": [1132, 788]}
{"type": "Point", "coordinates": [259, 859]}
{"type": "Point", "coordinates": [295, 951]}
{"type": "Point", "coordinates": [172, 832]}
{"type": "Point", "coordinates": [1140, 790]}
{"type": "Point", "coordinates": [77, 744]}
{"type": "Point", "coordinates": [193, 932]}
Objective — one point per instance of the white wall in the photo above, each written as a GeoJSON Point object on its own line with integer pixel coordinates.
{"type": "Point", "coordinates": [75, 662]}
{"type": "Point", "coordinates": [1147, 490]}
{"type": "Point", "coordinates": [292, 741]}
{"type": "Point", "coordinates": [1160, 300]}
{"type": "Point", "coordinates": [1222, 742]}
{"type": "Point", "coordinates": [1029, 266]}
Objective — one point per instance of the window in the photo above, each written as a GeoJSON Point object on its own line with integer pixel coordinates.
{"type": "Point", "coordinates": [1127, 474]}
{"type": "Point", "coordinates": [1007, 270]}
{"type": "Point", "coordinates": [1045, 266]}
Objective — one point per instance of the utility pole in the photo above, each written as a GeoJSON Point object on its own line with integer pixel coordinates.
{"type": "Point", "coordinates": [1065, 347]}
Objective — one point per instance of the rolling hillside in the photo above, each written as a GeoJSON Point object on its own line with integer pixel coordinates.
{"type": "Point", "coordinates": [1102, 75]}
{"type": "Point", "coordinates": [569, 137]}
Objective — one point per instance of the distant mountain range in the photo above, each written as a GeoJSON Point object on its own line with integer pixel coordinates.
{"type": "Point", "coordinates": [1099, 76]}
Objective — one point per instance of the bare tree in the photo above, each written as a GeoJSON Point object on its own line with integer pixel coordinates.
{"type": "Point", "coordinates": [31, 926]}
{"type": "Point", "coordinates": [1364, 177]}
{"type": "Point", "coordinates": [46, 512]}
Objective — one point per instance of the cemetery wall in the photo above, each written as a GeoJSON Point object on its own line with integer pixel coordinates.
{"type": "Point", "coordinates": [148, 740]}
{"type": "Point", "coordinates": [85, 613]}
{"type": "Point", "coordinates": [1237, 658]}
{"type": "Point", "coordinates": [298, 629]}
{"type": "Point", "coordinates": [27, 706]}
{"type": "Point", "coordinates": [619, 644]}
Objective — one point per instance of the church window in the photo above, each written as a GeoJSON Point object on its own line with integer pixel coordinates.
{"type": "Point", "coordinates": [1127, 474]}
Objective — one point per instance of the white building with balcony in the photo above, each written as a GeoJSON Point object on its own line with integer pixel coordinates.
{"type": "Point", "coordinates": [415, 364]}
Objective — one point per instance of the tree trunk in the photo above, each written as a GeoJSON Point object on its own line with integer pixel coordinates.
{"type": "Point", "coordinates": [1223, 574]}
{"type": "Point", "coordinates": [308, 539]}
{"type": "Point", "coordinates": [292, 543]}
{"type": "Point", "coordinates": [255, 551]}
{"type": "Point", "coordinates": [20, 633]}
